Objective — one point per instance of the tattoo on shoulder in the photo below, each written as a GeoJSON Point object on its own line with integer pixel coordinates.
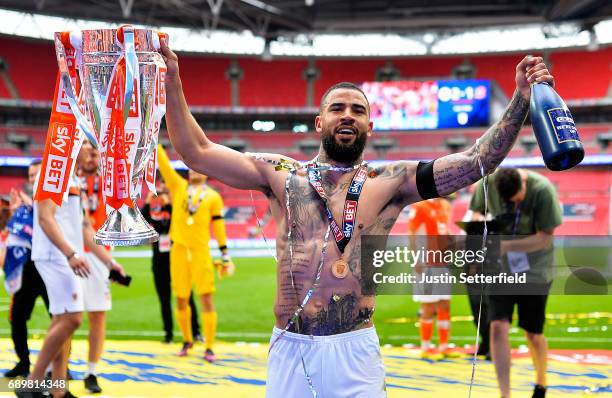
{"type": "Point", "coordinates": [393, 170]}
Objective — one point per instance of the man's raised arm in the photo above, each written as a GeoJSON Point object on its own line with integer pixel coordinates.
{"type": "Point", "coordinates": [197, 151]}
{"type": "Point", "coordinates": [456, 171]}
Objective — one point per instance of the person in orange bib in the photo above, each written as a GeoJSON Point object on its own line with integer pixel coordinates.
{"type": "Point", "coordinates": [60, 235]}
{"type": "Point", "coordinates": [195, 206]}
{"type": "Point", "coordinates": [431, 219]}
{"type": "Point", "coordinates": [96, 287]}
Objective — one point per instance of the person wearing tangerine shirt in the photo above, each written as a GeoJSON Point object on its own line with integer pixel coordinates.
{"type": "Point", "coordinates": [434, 215]}
{"type": "Point", "coordinates": [96, 287]}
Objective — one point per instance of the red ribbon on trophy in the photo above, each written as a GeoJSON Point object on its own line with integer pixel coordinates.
{"type": "Point", "coordinates": [64, 138]}
{"type": "Point", "coordinates": [117, 170]}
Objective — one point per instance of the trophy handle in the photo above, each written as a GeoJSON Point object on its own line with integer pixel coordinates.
{"type": "Point", "coordinates": [125, 36]}
{"type": "Point", "coordinates": [62, 62]}
{"type": "Point", "coordinates": [156, 115]}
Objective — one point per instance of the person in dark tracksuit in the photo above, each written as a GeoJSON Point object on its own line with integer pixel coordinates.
{"type": "Point", "coordinates": [158, 211]}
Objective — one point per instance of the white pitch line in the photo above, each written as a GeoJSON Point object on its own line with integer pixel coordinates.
{"type": "Point", "coordinates": [267, 335]}
{"type": "Point", "coordinates": [149, 333]}
{"type": "Point", "coordinates": [519, 338]}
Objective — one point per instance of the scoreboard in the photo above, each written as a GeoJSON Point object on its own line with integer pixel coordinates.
{"type": "Point", "coordinates": [431, 104]}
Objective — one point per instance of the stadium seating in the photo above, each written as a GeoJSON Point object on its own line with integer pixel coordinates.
{"type": "Point", "coordinates": [571, 69]}
{"type": "Point", "coordinates": [279, 82]}
{"type": "Point", "coordinates": [31, 66]}
{"type": "Point", "coordinates": [210, 87]}
{"type": "Point", "coordinates": [408, 145]}
{"type": "Point", "coordinates": [272, 83]}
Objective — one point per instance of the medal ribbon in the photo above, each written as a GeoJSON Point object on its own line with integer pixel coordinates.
{"type": "Point", "coordinates": [64, 139]}
{"type": "Point", "coordinates": [342, 236]}
{"type": "Point", "coordinates": [91, 192]}
{"type": "Point", "coordinates": [192, 208]}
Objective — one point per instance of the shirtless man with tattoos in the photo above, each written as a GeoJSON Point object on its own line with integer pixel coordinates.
{"type": "Point", "coordinates": [324, 341]}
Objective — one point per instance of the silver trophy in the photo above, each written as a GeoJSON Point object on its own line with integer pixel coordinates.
{"type": "Point", "coordinates": [142, 96]}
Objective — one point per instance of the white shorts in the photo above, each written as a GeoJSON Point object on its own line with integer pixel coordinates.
{"type": "Point", "coordinates": [346, 365]}
{"type": "Point", "coordinates": [96, 287]}
{"type": "Point", "coordinates": [432, 292]}
{"type": "Point", "coordinates": [63, 286]}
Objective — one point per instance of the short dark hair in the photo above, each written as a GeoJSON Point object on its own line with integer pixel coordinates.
{"type": "Point", "coordinates": [36, 162]}
{"type": "Point", "coordinates": [508, 183]}
{"type": "Point", "coordinates": [343, 85]}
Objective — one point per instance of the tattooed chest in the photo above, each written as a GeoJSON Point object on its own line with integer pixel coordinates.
{"type": "Point", "coordinates": [328, 297]}
{"type": "Point", "coordinates": [332, 302]}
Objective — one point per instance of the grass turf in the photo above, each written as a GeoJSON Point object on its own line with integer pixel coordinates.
{"type": "Point", "coordinates": [244, 303]}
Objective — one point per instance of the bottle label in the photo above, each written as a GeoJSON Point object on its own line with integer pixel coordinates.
{"type": "Point", "coordinates": [563, 124]}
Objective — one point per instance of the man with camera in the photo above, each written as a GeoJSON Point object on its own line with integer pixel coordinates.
{"type": "Point", "coordinates": [526, 204]}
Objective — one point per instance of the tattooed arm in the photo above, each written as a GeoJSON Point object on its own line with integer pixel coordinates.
{"type": "Point", "coordinates": [455, 171]}
{"type": "Point", "coordinates": [458, 170]}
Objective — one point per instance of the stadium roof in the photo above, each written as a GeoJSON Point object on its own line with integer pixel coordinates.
{"type": "Point", "coordinates": [331, 28]}
{"type": "Point", "coordinates": [271, 18]}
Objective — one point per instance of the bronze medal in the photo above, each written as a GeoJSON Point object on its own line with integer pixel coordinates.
{"type": "Point", "coordinates": [340, 268]}
{"type": "Point", "coordinates": [190, 220]}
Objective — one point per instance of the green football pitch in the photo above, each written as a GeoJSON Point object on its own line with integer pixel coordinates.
{"type": "Point", "coordinates": [244, 304]}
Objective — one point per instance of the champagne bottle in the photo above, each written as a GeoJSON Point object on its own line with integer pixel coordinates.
{"type": "Point", "coordinates": [554, 128]}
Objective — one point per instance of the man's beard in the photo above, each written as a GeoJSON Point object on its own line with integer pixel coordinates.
{"type": "Point", "coordinates": [344, 153]}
